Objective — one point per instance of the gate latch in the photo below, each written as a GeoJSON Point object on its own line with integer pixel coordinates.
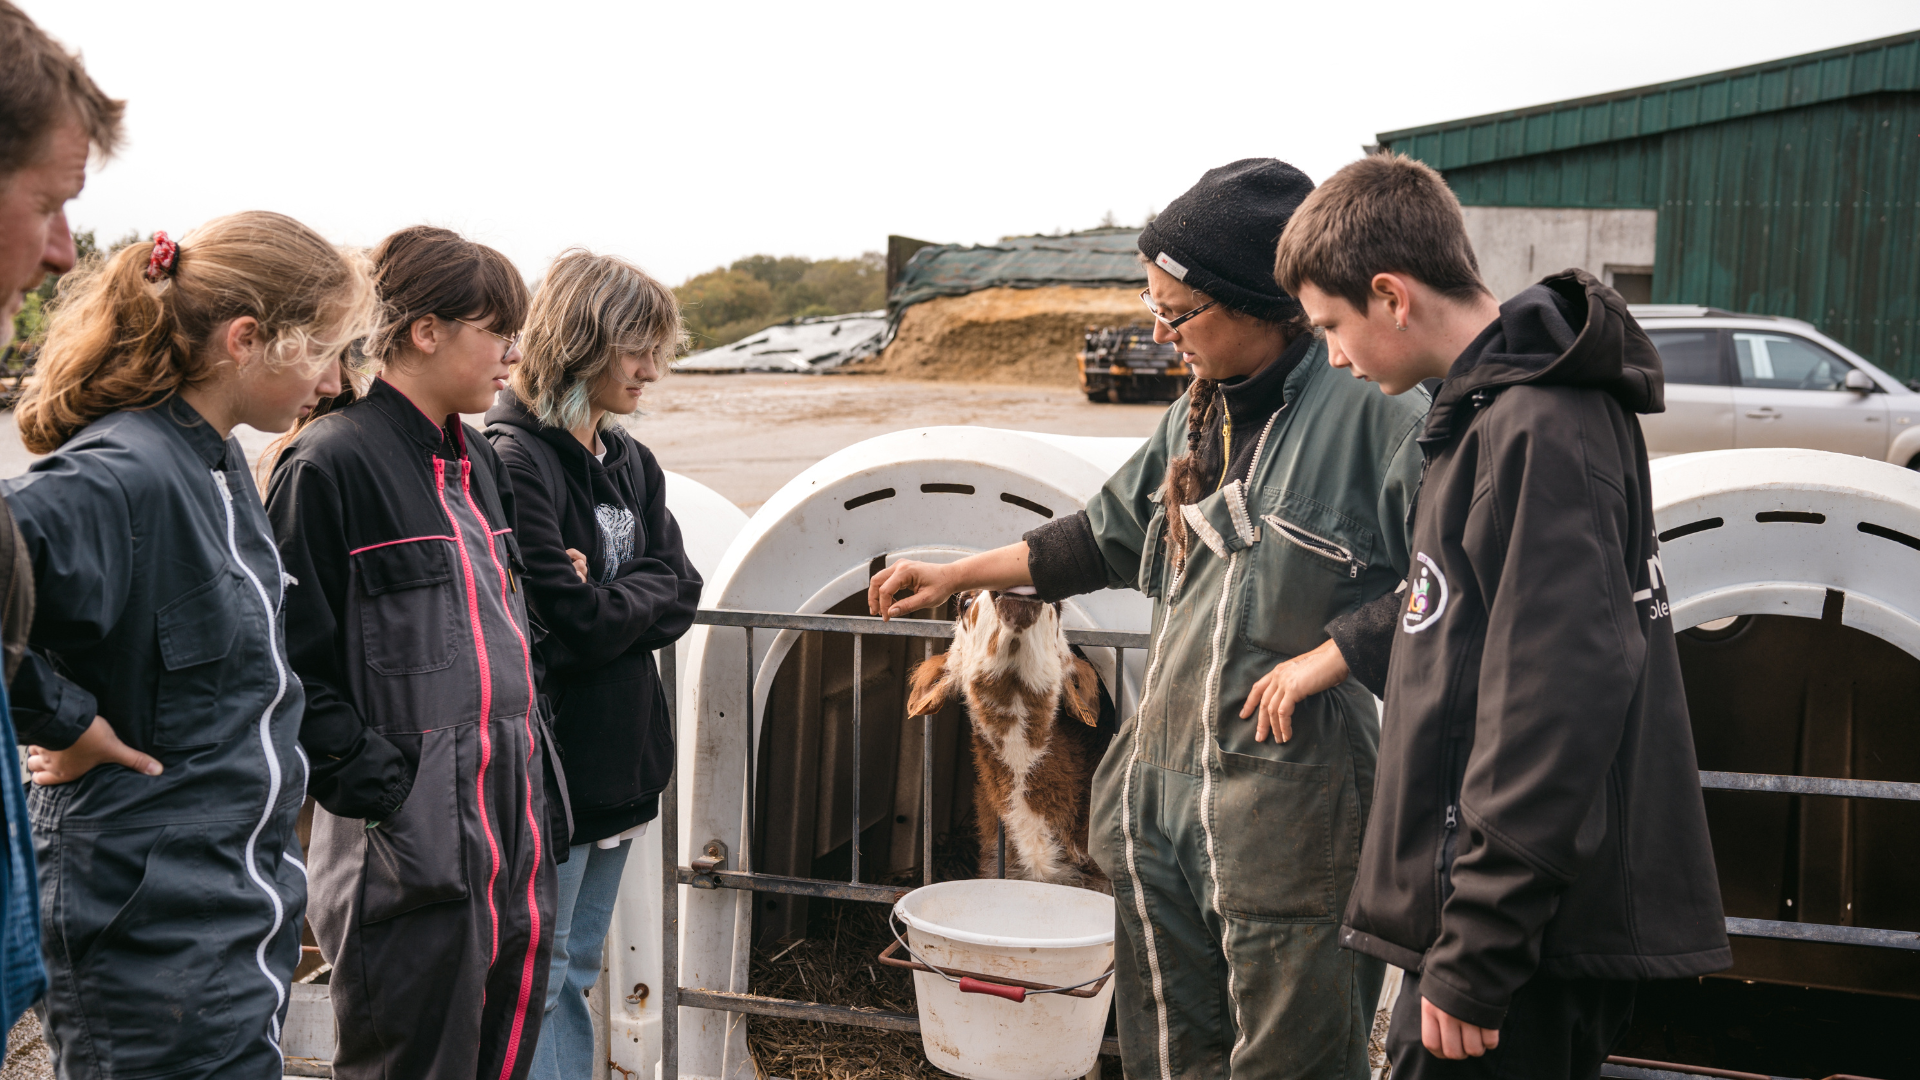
{"type": "Point", "coordinates": [712, 858]}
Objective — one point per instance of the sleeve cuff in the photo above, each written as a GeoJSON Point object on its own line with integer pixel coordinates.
{"type": "Point", "coordinates": [1435, 988]}
{"type": "Point", "coordinates": [371, 781]}
{"type": "Point", "coordinates": [1063, 558]}
{"type": "Point", "coordinates": [1365, 639]}
{"type": "Point", "coordinates": [394, 797]}
{"type": "Point", "coordinates": [48, 710]}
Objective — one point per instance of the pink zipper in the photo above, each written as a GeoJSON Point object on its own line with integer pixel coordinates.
{"type": "Point", "coordinates": [533, 824]}
{"type": "Point", "coordinates": [486, 696]}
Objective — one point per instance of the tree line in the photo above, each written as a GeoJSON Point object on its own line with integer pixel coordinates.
{"type": "Point", "coordinates": [727, 303]}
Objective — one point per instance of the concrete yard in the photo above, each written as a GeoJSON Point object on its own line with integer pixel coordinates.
{"type": "Point", "coordinates": [746, 435]}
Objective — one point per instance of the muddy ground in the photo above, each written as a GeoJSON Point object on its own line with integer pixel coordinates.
{"type": "Point", "coordinates": [746, 435]}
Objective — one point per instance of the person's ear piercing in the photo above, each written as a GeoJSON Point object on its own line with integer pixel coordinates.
{"type": "Point", "coordinates": [1399, 326]}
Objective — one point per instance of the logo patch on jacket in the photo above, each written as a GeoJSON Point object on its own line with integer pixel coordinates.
{"type": "Point", "coordinates": [1426, 596]}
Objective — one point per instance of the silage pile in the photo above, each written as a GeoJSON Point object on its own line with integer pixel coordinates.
{"type": "Point", "coordinates": [1003, 335]}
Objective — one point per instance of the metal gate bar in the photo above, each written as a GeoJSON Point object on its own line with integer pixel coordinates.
{"type": "Point", "coordinates": [674, 996]}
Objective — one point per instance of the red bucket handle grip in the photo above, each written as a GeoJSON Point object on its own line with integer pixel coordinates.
{"type": "Point", "coordinates": [970, 985]}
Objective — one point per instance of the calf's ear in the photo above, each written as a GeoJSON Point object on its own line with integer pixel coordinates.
{"type": "Point", "coordinates": [1082, 696]}
{"type": "Point", "coordinates": [930, 687]}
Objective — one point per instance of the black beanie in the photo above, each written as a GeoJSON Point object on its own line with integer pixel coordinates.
{"type": "Point", "coordinates": [1221, 235]}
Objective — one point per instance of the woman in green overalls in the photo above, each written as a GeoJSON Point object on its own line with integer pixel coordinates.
{"type": "Point", "coordinates": [1272, 499]}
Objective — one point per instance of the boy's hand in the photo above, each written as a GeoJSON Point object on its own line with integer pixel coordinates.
{"type": "Point", "coordinates": [1456, 1040]}
{"type": "Point", "coordinates": [579, 560]}
{"type": "Point", "coordinates": [927, 581]}
{"type": "Point", "coordinates": [1289, 683]}
{"type": "Point", "coordinates": [97, 746]}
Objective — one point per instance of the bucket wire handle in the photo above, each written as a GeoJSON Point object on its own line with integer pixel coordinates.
{"type": "Point", "coordinates": [970, 984]}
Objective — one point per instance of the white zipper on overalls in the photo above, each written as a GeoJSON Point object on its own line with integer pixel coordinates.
{"type": "Point", "coordinates": [1165, 1046]}
{"type": "Point", "coordinates": [266, 746]}
{"type": "Point", "coordinates": [1210, 705]}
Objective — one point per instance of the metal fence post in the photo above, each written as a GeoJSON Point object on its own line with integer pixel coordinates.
{"type": "Point", "coordinates": [859, 674]}
{"type": "Point", "coordinates": [670, 880]}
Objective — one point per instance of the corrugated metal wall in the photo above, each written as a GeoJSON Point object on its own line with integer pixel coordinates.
{"type": "Point", "coordinates": [1811, 212]}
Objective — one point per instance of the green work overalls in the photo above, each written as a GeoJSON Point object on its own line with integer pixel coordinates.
{"type": "Point", "coordinates": [1231, 860]}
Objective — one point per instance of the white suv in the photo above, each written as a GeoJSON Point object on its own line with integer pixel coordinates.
{"type": "Point", "coordinates": [1757, 380]}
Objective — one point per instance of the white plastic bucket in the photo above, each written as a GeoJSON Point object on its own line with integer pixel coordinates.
{"type": "Point", "coordinates": [1025, 930]}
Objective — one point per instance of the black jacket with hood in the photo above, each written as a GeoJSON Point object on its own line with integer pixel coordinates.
{"type": "Point", "coordinates": [1538, 807]}
{"type": "Point", "coordinates": [594, 640]}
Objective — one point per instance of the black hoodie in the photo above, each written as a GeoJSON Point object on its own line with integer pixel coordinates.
{"type": "Point", "coordinates": [594, 640]}
{"type": "Point", "coordinates": [1538, 805]}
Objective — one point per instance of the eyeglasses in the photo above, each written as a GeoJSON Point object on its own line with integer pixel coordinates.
{"type": "Point", "coordinates": [1173, 324]}
{"type": "Point", "coordinates": [514, 339]}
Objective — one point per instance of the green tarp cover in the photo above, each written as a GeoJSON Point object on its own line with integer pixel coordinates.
{"type": "Point", "coordinates": [1098, 258]}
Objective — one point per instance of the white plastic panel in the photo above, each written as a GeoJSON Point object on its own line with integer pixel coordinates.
{"type": "Point", "coordinates": [805, 551]}
{"type": "Point", "coordinates": [1866, 543]}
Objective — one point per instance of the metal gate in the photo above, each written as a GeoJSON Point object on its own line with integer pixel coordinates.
{"type": "Point", "coordinates": [709, 870]}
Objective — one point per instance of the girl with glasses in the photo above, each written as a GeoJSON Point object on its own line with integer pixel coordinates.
{"type": "Point", "coordinates": [432, 888]}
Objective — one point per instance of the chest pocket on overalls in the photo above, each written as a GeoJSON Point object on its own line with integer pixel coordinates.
{"type": "Point", "coordinates": [408, 616]}
{"type": "Point", "coordinates": [1306, 571]}
{"type": "Point", "coordinates": [196, 634]}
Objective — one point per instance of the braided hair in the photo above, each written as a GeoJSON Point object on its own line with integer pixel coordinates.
{"type": "Point", "coordinates": [1184, 482]}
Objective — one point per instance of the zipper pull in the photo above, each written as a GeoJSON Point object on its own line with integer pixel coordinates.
{"type": "Point", "coordinates": [1451, 822]}
{"type": "Point", "coordinates": [1353, 569]}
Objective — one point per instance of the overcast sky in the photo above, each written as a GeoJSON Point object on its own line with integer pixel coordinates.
{"type": "Point", "coordinates": [686, 135]}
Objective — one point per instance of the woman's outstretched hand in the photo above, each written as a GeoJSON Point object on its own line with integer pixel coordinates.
{"type": "Point", "coordinates": [97, 746]}
{"type": "Point", "coordinates": [929, 583]}
{"type": "Point", "coordinates": [1288, 684]}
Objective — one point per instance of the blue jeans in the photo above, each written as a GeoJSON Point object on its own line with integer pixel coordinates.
{"type": "Point", "coordinates": [587, 883]}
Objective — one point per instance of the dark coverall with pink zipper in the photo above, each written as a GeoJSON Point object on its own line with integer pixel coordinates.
{"type": "Point", "coordinates": [431, 895]}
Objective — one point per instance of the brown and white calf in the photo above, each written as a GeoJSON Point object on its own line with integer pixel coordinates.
{"type": "Point", "coordinates": [1035, 708]}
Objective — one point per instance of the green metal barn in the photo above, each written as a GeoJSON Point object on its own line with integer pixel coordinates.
{"type": "Point", "coordinates": [1785, 188]}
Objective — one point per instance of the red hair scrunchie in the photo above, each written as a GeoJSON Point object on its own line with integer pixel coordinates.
{"type": "Point", "coordinates": [160, 263]}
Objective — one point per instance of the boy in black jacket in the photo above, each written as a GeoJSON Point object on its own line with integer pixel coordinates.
{"type": "Point", "coordinates": [1538, 841]}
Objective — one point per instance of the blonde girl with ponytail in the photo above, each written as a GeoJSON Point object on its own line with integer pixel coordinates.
{"type": "Point", "coordinates": [160, 713]}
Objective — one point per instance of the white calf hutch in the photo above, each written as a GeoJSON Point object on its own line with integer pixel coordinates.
{"type": "Point", "coordinates": [935, 494]}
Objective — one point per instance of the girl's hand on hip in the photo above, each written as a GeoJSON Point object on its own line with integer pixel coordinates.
{"type": "Point", "coordinates": [99, 745]}
{"type": "Point", "coordinates": [1289, 683]}
{"type": "Point", "coordinates": [928, 582]}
